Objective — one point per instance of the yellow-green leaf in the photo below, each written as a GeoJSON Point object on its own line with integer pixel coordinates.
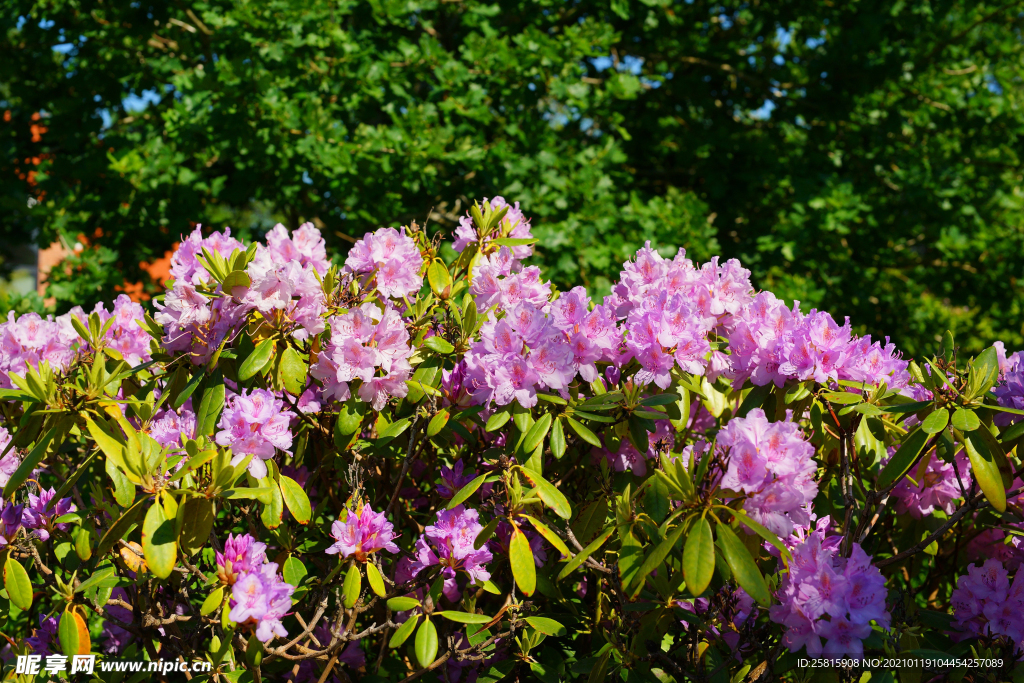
{"type": "Point", "coordinates": [212, 602]}
{"type": "Point", "coordinates": [551, 496]}
{"type": "Point", "coordinates": [376, 580]}
{"type": "Point", "coordinates": [426, 643]}
{"type": "Point", "coordinates": [296, 500]}
{"type": "Point", "coordinates": [17, 583]}
{"type": "Point", "coordinates": [985, 470]}
{"type": "Point", "coordinates": [742, 565]}
{"type": "Point", "coordinates": [521, 557]}
{"type": "Point", "coordinates": [404, 631]}
{"type": "Point", "coordinates": [257, 360]}
{"type": "Point", "coordinates": [699, 557]}
{"type": "Point", "coordinates": [579, 559]}
{"type": "Point", "coordinates": [158, 542]}
{"type": "Point", "coordinates": [353, 585]}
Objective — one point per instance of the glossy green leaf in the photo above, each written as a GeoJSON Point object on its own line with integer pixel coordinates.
{"type": "Point", "coordinates": [466, 491]}
{"type": "Point", "coordinates": [426, 643]}
{"type": "Point", "coordinates": [557, 439]}
{"type": "Point", "coordinates": [583, 432]}
{"type": "Point", "coordinates": [548, 627]}
{"type": "Point", "coordinates": [552, 497]}
{"type": "Point", "coordinates": [699, 557]}
{"type": "Point", "coordinates": [293, 571]}
{"type": "Point", "coordinates": [573, 564]}
{"type": "Point", "coordinates": [438, 345]}
{"type": "Point", "coordinates": [257, 360]}
{"type": "Point", "coordinates": [549, 535]}
{"type": "Point", "coordinates": [73, 634]}
{"type": "Point", "coordinates": [196, 517]}
{"type": "Point", "coordinates": [521, 558]}
{"type": "Point", "coordinates": [209, 410]}
{"type": "Point", "coordinates": [394, 429]}
{"type": "Point", "coordinates": [213, 601]}
{"type": "Point", "coordinates": [439, 278]}
{"type": "Point", "coordinates": [985, 469]}
{"type": "Point", "coordinates": [158, 542]}
{"type": "Point", "coordinates": [438, 422]}
{"type": "Point", "coordinates": [966, 420]}
{"type": "Point", "coordinates": [373, 576]}
{"type": "Point", "coordinates": [463, 617]}
{"type": "Point", "coordinates": [935, 422]}
{"type": "Point", "coordinates": [293, 371]}
{"type": "Point", "coordinates": [537, 432]}
{"type": "Point", "coordinates": [403, 632]}
{"type": "Point", "coordinates": [402, 604]}
{"type": "Point", "coordinates": [353, 585]}
{"type": "Point", "coordinates": [497, 420]}
{"type": "Point", "coordinates": [296, 499]}
{"type": "Point", "coordinates": [742, 565]}
{"type": "Point", "coordinates": [17, 583]}
{"type": "Point", "coordinates": [903, 458]}
{"type": "Point", "coordinates": [485, 533]}
{"type": "Point", "coordinates": [984, 373]}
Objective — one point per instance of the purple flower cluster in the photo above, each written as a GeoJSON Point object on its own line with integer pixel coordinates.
{"type": "Point", "coordinates": [194, 322]}
{"type": "Point", "coordinates": [772, 464]}
{"type": "Point", "coordinates": [449, 543]}
{"type": "Point", "coordinates": [285, 285]}
{"type": "Point", "coordinates": [44, 638]}
{"type": "Point", "coordinates": [8, 463]}
{"type": "Point", "coordinates": [363, 341]}
{"type": "Point", "coordinates": [985, 603]}
{"type": "Point", "coordinates": [255, 422]}
{"type": "Point", "coordinates": [259, 596]}
{"type": "Point", "coordinates": [172, 428]}
{"type": "Point", "coordinates": [32, 339]}
{"type": "Point", "coordinates": [514, 224]}
{"type": "Point", "coordinates": [362, 532]}
{"type": "Point", "coordinates": [390, 259]}
{"type": "Point", "coordinates": [828, 596]}
{"type": "Point", "coordinates": [126, 334]}
{"type": "Point", "coordinates": [36, 516]}
{"type": "Point", "coordinates": [773, 343]}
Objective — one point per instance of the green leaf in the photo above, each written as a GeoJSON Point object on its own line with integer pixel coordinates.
{"type": "Point", "coordinates": [293, 571]}
{"type": "Point", "coordinates": [966, 420]}
{"type": "Point", "coordinates": [600, 670]}
{"type": "Point", "coordinates": [537, 432]}
{"type": "Point", "coordinates": [743, 518]}
{"type": "Point", "coordinates": [373, 575]}
{"type": "Point", "coordinates": [106, 576]}
{"type": "Point", "coordinates": [353, 585]}
{"type": "Point", "coordinates": [257, 360]}
{"type": "Point", "coordinates": [935, 422]}
{"type": "Point", "coordinates": [17, 583]}
{"type": "Point", "coordinates": [655, 557]}
{"type": "Point", "coordinates": [438, 422]}
{"type": "Point", "coordinates": [548, 627]}
{"type": "Point", "coordinates": [119, 529]}
{"type": "Point", "coordinates": [521, 558]}
{"type": "Point", "coordinates": [190, 388]}
{"type": "Point", "coordinates": [296, 500]}
{"type": "Point", "coordinates": [293, 371]}
{"type": "Point", "coordinates": [549, 535]}
{"type": "Point", "coordinates": [466, 491]}
{"type": "Point", "coordinates": [985, 470]}
{"type": "Point", "coordinates": [212, 602]}
{"type": "Point", "coordinates": [236, 278]}
{"type": "Point", "coordinates": [69, 483]}
{"type": "Point", "coordinates": [402, 604]}
{"type": "Point", "coordinates": [742, 565]}
{"type": "Point", "coordinates": [514, 241]}
{"type": "Point", "coordinates": [158, 542]}
{"type": "Point", "coordinates": [902, 459]}
{"type": "Point", "coordinates": [843, 397]}
{"type": "Point", "coordinates": [403, 632]}
{"type": "Point", "coordinates": [557, 439]}
{"type": "Point", "coordinates": [209, 410]}
{"type": "Point", "coordinates": [464, 617]}
{"type": "Point", "coordinates": [394, 429]}
{"type": "Point", "coordinates": [264, 494]}
{"type": "Point", "coordinates": [73, 636]}
{"type": "Point", "coordinates": [485, 533]}
{"type": "Point", "coordinates": [583, 432]}
{"type": "Point", "coordinates": [551, 496]}
{"type": "Point", "coordinates": [194, 463]}
{"type": "Point", "coordinates": [699, 557]}
{"type": "Point", "coordinates": [195, 519]}
{"type": "Point", "coordinates": [426, 643]}
{"type": "Point", "coordinates": [439, 278]}
{"type": "Point", "coordinates": [438, 345]}
{"type": "Point", "coordinates": [579, 559]}
{"type": "Point", "coordinates": [984, 373]}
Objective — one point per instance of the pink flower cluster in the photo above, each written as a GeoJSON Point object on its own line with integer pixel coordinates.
{"type": "Point", "coordinates": [194, 322]}
{"type": "Point", "coordinates": [449, 543]}
{"type": "Point", "coordinates": [259, 596]}
{"type": "Point", "coordinates": [255, 423]}
{"type": "Point", "coordinates": [390, 259]}
{"type": "Point", "coordinates": [514, 225]}
{"type": "Point", "coordinates": [828, 596]}
{"type": "Point", "coordinates": [32, 339]}
{"type": "Point", "coordinates": [172, 428]}
{"type": "Point", "coordinates": [126, 334]}
{"type": "Point", "coordinates": [362, 341]}
{"type": "Point", "coordinates": [985, 603]}
{"type": "Point", "coordinates": [772, 464]}
{"type": "Point", "coordinates": [284, 285]}
{"type": "Point", "coordinates": [362, 532]}
{"type": "Point", "coordinates": [773, 343]}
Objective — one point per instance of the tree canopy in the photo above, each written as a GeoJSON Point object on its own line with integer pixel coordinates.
{"type": "Point", "coordinates": [862, 157]}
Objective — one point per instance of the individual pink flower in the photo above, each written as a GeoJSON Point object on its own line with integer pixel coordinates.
{"type": "Point", "coordinates": [392, 258]}
{"type": "Point", "coordinates": [242, 553]}
{"type": "Point", "coordinates": [362, 532]}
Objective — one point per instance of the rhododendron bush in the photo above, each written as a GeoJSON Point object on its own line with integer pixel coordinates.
{"type": "Point", "coordinates": [389, 467]}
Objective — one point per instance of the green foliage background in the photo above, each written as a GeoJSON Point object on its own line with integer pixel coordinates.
{"type": "Point", "coordinates": [860, 156]}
